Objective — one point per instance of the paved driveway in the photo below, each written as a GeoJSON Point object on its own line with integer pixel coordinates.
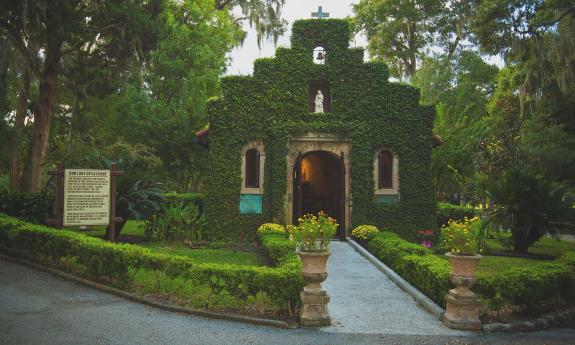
{"type": "Point", "coordinates": [38, 308]}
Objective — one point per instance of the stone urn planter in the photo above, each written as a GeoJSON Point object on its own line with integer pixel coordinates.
{"type": "Point", "coordinates": [313, 297]}
{"type": "Point", "coordinates": [312, 237]}
{"type": "Point", "coordinates": [462, 311]}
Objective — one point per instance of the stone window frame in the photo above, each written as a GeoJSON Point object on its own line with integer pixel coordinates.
{"type": "Point", "coordinates": [394, 174]}
{"type": "Point", "coordinates": [259, 146]}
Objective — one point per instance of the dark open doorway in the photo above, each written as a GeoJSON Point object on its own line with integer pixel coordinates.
{"type": "Point", "coordinates": [319, 186]}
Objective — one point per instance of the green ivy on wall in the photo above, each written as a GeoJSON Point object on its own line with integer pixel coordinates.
{"type": "Point", "coordinates": [272, 106]}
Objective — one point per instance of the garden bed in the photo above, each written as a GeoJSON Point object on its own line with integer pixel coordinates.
{"type": "Point", "coordinates": [547, 247]}
{"type": "Point", "coordinates": [240, 283]}
{"type": "Point", "coordinates": [510, 288]}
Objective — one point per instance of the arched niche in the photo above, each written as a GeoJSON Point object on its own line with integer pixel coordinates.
{"type": "Point", "coordinates": [313, 87]}
{"type": "Point", "coordinates": [319, 55]}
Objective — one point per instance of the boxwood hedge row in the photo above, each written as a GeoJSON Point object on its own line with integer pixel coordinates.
{"type": "Point", "coordinates": [527, 286]}
{"type": "Point", "coordinates": [114, 262]}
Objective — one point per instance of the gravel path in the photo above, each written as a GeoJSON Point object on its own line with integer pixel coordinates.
{"type": "Point", "coordinates": [38, 308]}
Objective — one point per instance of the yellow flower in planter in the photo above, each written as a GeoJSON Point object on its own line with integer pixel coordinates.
{"type": "Point", "coordinates": [313, 232]}
{"type": "Point", "coordinates": [460, 237]}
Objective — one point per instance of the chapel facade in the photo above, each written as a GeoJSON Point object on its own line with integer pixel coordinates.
{"type": "Point", "coordinates": [318, 129]}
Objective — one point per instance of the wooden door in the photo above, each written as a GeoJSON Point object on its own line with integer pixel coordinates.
{"type": "Point", "coordinates": [297, 190]}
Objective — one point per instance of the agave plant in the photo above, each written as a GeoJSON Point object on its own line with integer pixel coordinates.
{"type": "Point", "coordinates": [529, 206]}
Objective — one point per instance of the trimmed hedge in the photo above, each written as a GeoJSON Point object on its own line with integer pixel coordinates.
{"type": "Point", "coordinates": [447, 211]}
{"type": "Point", "coordinates": [32, 207]}
{"type": "Point", "coordinates": [279, 248]}
{"type": "Point", "coordinates": [529, 286]}
{"type": "Point", "coordinates": [100, 259]}
{"type": "Point", "coordinates": [186, 198]}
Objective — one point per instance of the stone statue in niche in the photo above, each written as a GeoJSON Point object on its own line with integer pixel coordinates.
{"type": "Point", "coordinates": [319, 102]}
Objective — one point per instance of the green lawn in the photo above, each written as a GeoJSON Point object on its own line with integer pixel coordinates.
{"type": "Point", "coordinates": [216, 256]}
{"type": "Point", "coordinates": [159, 286]}
{"type": "Point", "coordinates": [496, 264]}
{"type": "Point", "coordinates": [545, 245]}
{"type": "Point", "coordinates": [502, 242]}
{"type": "Point", "coordinates": [219, 256]}
{"type": "Point", "coordinates": [132, 228]}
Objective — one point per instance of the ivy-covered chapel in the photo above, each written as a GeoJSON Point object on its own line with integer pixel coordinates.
{"type": "Point", "coordinates": [317, 128]}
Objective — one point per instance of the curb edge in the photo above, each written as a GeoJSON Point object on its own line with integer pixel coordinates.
{"type": "Point", "coordinates": [146, 301]}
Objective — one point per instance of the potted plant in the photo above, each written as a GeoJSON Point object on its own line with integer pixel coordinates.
{"type": "Point", "coordinates": [462, 239]}
{"type": "Point", "coordinates": [312, 237]}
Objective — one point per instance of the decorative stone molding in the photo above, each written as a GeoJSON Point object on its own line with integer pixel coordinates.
{"type": "Point", "coordinates": [394, 174]}
{"type": "Point", "coordinates": [309, 142]}
{"type": "Point", "coordinates": [258, 145]}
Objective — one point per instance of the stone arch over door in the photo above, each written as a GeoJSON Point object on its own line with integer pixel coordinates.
{"type": "Point", "coordinates": [310, 142]}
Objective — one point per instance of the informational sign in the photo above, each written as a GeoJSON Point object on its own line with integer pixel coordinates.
{"type": "Point", "coordinates": [86, 197]}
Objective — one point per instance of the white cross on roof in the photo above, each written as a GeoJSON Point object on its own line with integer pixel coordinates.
{"type": "Point", "coordinates": [320, 13]}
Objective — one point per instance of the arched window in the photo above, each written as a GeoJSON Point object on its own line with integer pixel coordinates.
{"type": "Point", "coordinates": [253, 160]}
{"type": "Point", "coordinates": [252, 177]}
{"type": "Point", "coordinates": [386, 172]}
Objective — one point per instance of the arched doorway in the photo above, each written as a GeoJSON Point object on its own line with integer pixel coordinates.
{"type": "Point", "coordinates": [319, 185]}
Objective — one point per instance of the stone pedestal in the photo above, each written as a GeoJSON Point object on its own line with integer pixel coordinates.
{"type": "Point", "coordinates": [314, 307]}
{"type": "Point", "coordinates": [462, 310]}
{"type": "Point", "coordinates": [313, 297]}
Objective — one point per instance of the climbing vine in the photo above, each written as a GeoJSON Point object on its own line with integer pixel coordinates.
{"type": "Point", "coordinates": [272, 105]}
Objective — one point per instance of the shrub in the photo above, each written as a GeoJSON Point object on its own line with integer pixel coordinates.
{"type": "Point", "coordinates": [530, 286]}
{"type": "Point", "coordinates": [428, 273]}
{"type": "Point", "coordinates": [177, 222]}
{"type": "Point", "coordinates": [32, 207]}
{"type": "Point", "coordinates": [100, 259]}
{"type": "Point", "coordinates": [447, 211]}
{"type": "Point", "coordinates": [361, 232]}
{"type": "Point", "coordinates": [529, 206]}
{"type": "Point", "coordinates": [390, 248]}
{"type": "Point", "coordinates": [186, 198]}
{"type": "Point", "coordinates": [278, 247]}
{"type": "Point", "coordinates": [268, 228]}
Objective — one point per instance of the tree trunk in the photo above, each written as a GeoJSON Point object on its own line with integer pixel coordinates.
{"type": "Point", "coordinates": [21, 110]}
{"type": "Point", "coordinates": [520, 246]}
{"type": "Point", "coordinates": [412, 46]}
{"type": "Point", "coordinates": [43, 114]}
{"type": "Point", "coordinates": [525, 239]}
{"type": "Point", "coordinates": [4, 63]}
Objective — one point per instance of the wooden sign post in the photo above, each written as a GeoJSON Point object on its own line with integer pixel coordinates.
{"type": "Point", "coordinates": [86, 197]}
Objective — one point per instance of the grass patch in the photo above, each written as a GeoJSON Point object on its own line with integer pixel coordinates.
{"type": "Point", "coordinates": [132, 228]}
{"type": "Point", "coordinates": [213, 255]}
{"type": "Point", "coordinates": [496, 264]}
{"type": "Point", "coordinates": [216, 256]}
{"type": "Point", "coordinates": [199, 296]}
{"type": "Point", "coordinates": [545, 246]}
